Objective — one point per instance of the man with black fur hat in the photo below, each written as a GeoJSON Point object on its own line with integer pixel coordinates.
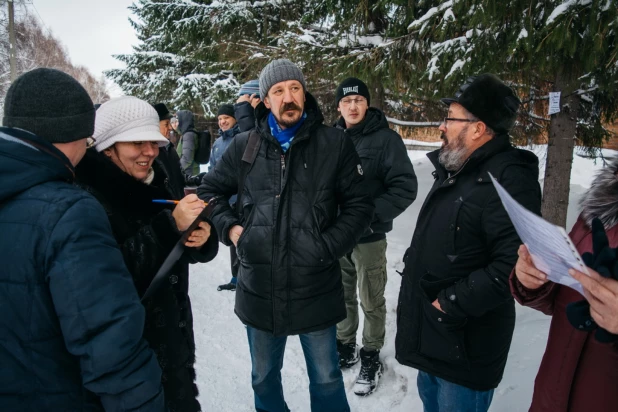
{"type": "Point", "coordinates": [456, 315]}
{"type": "Point", "coordinates": [71, 321]}
{"type": "Point", "coordinates": [390, 177]}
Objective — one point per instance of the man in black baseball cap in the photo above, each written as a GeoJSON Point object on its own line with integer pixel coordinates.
{"type": "Point", "coordinates": [456, 316]}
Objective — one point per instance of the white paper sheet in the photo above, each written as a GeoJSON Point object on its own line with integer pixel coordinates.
{"type": "Point", "coordinates": [554, 103]}
{"type": "Point", "coordinates": [552, 251]}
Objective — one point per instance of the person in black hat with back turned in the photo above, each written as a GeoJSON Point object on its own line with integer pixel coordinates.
{"type": "Point", "coordinates": [456, 315]}
{"type": "Point", "coordinates": [72, 321]}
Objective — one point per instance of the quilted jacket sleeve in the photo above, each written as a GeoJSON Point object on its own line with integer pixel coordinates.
{"type": "Point", "coordinates": [100, 315]}
{"type": "Point", "coordinates": [355, 203]}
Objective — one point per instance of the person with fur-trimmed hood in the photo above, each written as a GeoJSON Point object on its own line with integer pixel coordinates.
{"type": "Point", "coordinates": [456, 315]}
{"type": "Point", "coordinates": [304, 205]}
{"type": "Point", "coordinates": [390, 177]}
{"type": "Point", "coordinates": [579, 367]}
{"type": "Point", "coordinates": [124, 173]}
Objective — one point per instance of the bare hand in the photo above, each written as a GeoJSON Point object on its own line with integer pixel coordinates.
{"type": "Point", "coordinates": [254, 100]}
{"type": "Point", "coordinates": [602, 294]}
{"type": "Point", "coordinates": [187, 210]}
{"type": "Point", "coordinates": [199, 236]}
{"type": "Point", "coordinates": [436, 305]}
{"type": "Point", "coordinates": [244, 98]}
{"type": "Point", "coordinates": [235, 233]}
{"type": "Point", "coordinates": [527, 274]}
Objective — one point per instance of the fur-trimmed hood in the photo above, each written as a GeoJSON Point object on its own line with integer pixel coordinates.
{"type": "Point", "coordinates": [602, 199]}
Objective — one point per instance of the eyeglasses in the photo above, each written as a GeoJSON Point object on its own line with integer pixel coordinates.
{"type": "Point", "coordinates": [454, 119]}
{"type": "Point", "coordinates": [358, 101]}
{"type": "Point", "coordinates": [90, 141]}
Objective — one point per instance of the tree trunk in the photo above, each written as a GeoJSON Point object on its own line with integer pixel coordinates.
{"type": "Point", "coordinates": [377, 95]}
{"type": "Point", "coordinates": [562, 132]}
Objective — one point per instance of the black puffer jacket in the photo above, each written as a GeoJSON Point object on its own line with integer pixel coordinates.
{"type": "Point", "coordinates": [188, 143]}
{"type": "Point", "coordinates": [146, 233]}
{"type": "Point", "coordinates": [290, 280]}
{"type": "Point", "coordinates": [245, 116]}
{"type": "Point", "coordinates": [463, 250]}
{"type": "Point", "coordinates": [388, 171]}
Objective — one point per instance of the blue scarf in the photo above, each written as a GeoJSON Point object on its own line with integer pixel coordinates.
{"type": "Point", "coordinates": [284, 136]}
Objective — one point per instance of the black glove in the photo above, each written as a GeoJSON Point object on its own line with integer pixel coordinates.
{"type": "Point", "coordinates": [603, 259]}
{"type": "Point", "coordinates": [194, 180]}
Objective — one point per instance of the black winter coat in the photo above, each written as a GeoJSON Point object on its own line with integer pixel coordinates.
{"type": "Point", "coordinates": [146, 232]}
{"type": "Point", "coordinates": [289, 280]}
{"type": "Point", "coordinates": [245, 116]}
{"type": "Point", "coordinates": [388, 171]}
{"type": "Point", "coordinates": [463, 250]}
{"type": "Point", "coordinates": [71, 323]}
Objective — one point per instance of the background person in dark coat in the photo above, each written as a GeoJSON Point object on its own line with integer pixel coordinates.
{"type": "Point", "coordinates": [71, 324]}
{"type": "Point", "coordinates": [390, 177]}
{"type": "Point", "coordinates": [244, 117]}
{"type": "Point", "coordinates": [167, 153]}
{"type": "Point", "coordinates": [228, 129]}
{"type": "Point", "coordinates": [248, 100]}
{"type": "Point", "coordinates": [304, 206]}
{"type": "Point", "coordinates": [577, 373]}
{"type": "Point", "coordinates": [456, 315]}
{"type": "Point", "coordinates": [187, 145]}
{"type": "Point", "coordinates": [124, 173]}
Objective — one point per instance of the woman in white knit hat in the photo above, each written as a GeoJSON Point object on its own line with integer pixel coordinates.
{"type": "Point", "coordinates": [123, 172]}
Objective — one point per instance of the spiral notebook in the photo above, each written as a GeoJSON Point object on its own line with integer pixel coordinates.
{"type": "Point", "coordinates": [550, 246]}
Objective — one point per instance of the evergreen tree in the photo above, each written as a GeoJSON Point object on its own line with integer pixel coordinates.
{"type": "Point", "coordinates": [568, 46]}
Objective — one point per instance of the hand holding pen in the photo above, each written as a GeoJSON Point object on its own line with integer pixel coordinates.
{"type": "Point", "coordinates": [187, 209]}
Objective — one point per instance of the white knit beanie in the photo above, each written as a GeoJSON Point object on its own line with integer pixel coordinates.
{"type": "Point", "coordinates": [126, 119]}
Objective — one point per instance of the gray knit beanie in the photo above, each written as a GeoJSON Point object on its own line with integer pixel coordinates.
{"type": "Point", "coordinates": [277, 71]}
{"type": "Point", "coordinates": [51, 104]}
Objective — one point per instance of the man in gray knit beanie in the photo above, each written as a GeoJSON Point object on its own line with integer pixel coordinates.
{"type": "Point", "coordinates": [302, 204]}
{"type": "Point", "coordinates": [279, 71]}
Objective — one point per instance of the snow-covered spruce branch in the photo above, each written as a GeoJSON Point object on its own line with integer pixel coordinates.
{"type": "Point", "coordinates": [412, 124]}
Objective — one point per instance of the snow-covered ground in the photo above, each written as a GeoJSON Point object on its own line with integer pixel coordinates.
{"type": "Point", "coordinates": [223, 361]}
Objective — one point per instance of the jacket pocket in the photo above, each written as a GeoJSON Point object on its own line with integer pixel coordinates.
{"type": "Point", "coordinates": [453, 227]}
{"type": "Point", "coordinates": [431, 285]}
{"type": "Point", "coordinates": [442, 336]}
{"type": "Point", "coordinates": [319, 224]}
{"type": "Point", "coordinates": [246, 224]}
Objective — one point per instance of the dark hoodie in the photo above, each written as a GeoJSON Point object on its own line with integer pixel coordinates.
{"type": "Point", "coordinates": [387, 169]}
{"type": "Point", "coordinates": [71, 323]}
{"type": "Point", "coordinates": [187, 145]}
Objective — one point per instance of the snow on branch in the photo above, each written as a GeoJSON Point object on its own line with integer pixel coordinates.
{"type": "Point", "coordinates": [564, 7]}
{"type": "Point", "coordinates": [430, 13]}
{"type": "Point", "coordinates": [412, 124]}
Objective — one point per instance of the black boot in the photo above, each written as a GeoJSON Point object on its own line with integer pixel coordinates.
{"type": "Point", "coordinates": [370, 373]}
{"type": "Point", "coordinates": [348, 354]}
{"type": "Point", "coordinates": [228, 286]}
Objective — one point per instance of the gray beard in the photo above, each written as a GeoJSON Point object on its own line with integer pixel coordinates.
{"type": "Point", "coordinates": [453, 156]}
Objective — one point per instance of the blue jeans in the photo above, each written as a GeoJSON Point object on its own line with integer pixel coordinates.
{"type": "Point", "coordinates": [439, 395]}
{"type": "Point", "coordinates": [325, 379]}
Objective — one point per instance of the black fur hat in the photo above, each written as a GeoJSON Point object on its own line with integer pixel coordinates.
{"type": "Point", "coordinates": [489, 99]}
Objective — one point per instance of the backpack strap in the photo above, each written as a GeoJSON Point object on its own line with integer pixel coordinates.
{"type": "Point", "coordinates": [248, 158]}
